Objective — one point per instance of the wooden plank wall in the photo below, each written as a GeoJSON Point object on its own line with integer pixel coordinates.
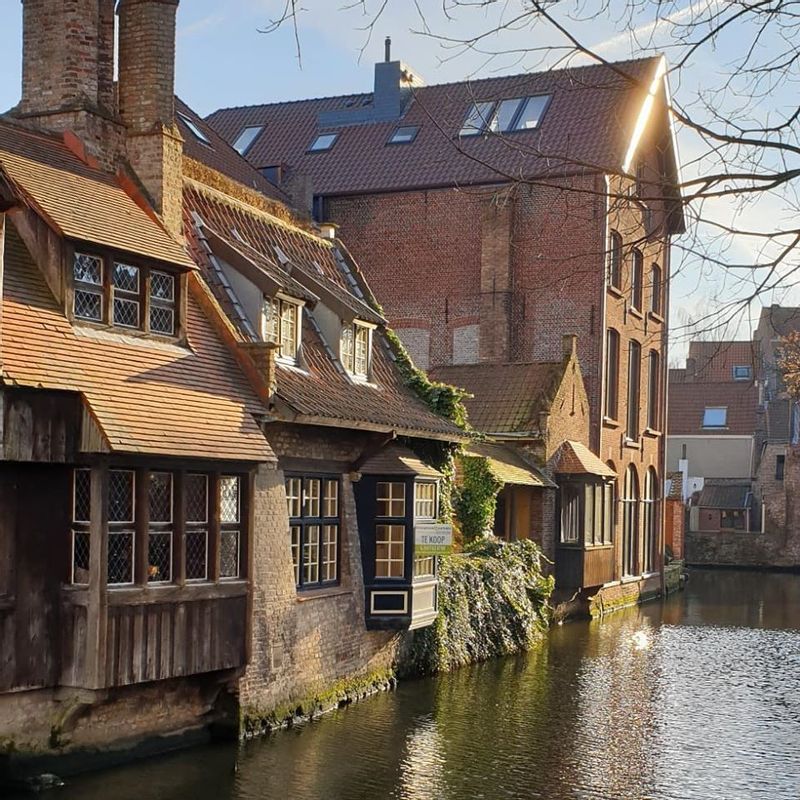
{"type": "Point", "coordinates": [155, 641]}
{"type": "Point", "coordinates": [39, 426]}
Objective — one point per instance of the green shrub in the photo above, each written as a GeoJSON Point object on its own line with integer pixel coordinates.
{"type": "Point", "coordinates": [475, 499]}
{"type": "Point", "coordinates": [493, 601]}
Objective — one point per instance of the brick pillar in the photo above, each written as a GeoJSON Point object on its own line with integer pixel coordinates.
{"type": "Point", "coordinates": [495, 308]}
{"type": "Point", "coordinates": [147, 103]}
{"type": "Point", "coordinates": [68, 72]}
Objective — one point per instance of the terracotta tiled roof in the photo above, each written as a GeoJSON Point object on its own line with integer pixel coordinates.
{"type": "Point", "coordinates": [506, 398]}
{"type": "Point", "coordinates": [148, 397]}
{"type": "Point", "coordinates": [726, 495]}
{"type": "Point", "coordinates": [574, 458]}
{"type": "Point", "coordinates": [319, 391]}
{"type": "Point", "coordinates": [714, 361]}
{"type": "Point", "coordinates": [397, 460]}
{"type": "Point", "coordinates": [219, 155]}
{"type": "Point", "coordinates": [589, 121]}
{"type": "Point", "coordinates": [688, 401]}
{"type": "Point", "coordinates": [675, 485]}
{"type": "Point", "coordinates": [82, 202]}
{"type": "Point", "coordinates": [508, 466]}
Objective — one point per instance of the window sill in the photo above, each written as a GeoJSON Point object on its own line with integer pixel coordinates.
{"type": "Point", "coordinates": [653, 433]}
{"type": "Point", "coordinates": [634, 312]}
{"type": "Point", "coordinates": [715, 428]}
{"type": "Point", "coordinates": [632, 444]}
{"type": "Point", "coordinates": [613, 290]}
{"type": "Point", "coordinates": [304, 595]}
{"type": "Point", "coordinates": [584, 547]}
{"type": "Point", "coordinates": [610, 422]}
{"type": "Point", "coordinates": [655, 317]}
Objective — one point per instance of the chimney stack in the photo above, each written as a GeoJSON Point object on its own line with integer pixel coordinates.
{"type": "Point", "coordinates": [147, 103]}
{"type": "Point", "coordinates": [68, 72]}
{"type": "Point", "coordinates": [387, 44]}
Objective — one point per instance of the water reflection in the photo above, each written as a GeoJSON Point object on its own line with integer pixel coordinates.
{"type": "Point", "coordinates": [695, 699]}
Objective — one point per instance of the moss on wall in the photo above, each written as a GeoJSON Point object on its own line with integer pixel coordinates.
{"type": "Point", "coordinates": [493, 601]}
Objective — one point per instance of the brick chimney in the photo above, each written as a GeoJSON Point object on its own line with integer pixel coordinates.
{"type": "Point", "coordinates": [147, 103]}
{"type": "Point", "coordinates": [68, 72]}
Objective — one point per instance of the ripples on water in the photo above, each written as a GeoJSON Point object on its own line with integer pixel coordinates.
{"type": "Point", "coordinates": [695, 699]}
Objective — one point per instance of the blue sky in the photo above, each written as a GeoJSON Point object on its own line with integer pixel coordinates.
{"type": "Point", "coordinates": [223, 60]}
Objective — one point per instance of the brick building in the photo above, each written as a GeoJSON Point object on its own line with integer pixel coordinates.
{"type": "Point", "coordinates": [496, 215]}
{"type": "Point", "coordinates": [207, 468]}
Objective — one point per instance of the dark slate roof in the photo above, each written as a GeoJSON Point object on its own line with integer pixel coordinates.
{"type": "Point", "coordinates": [688, 401]}
{"type": "Point", "coordinates": [506, 398]}
{"type": "Point", "coordinates": [726, 495]}
{"type": "Point", "coordinates": [587, 125]}
{"type": "Point", "coordinates": [779, 420]}
{"type": "Point", "coordinates": [217, 154]}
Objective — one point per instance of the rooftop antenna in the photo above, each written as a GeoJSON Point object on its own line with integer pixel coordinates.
{"type": "Point", "coordinates": [388, 46]}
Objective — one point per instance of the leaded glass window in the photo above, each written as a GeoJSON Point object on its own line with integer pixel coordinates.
{"type": "Point", "coordinates": [126, 295]}
{"type": "Point", "coordinates": [87, 272]}
{"type": "Point", "coordinates": [159, 540]}
{"type": "Point", "coordinates": [162, 303]}
{"type": "Point", "coordinates": [280, 323]}
{"type": "Point", "coordinates": [230, 522]}
{"type": "Point", "coordinates": [196, 499]}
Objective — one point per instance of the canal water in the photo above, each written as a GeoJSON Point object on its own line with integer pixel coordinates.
{"type": "Point", "coordinates": [694, 698]}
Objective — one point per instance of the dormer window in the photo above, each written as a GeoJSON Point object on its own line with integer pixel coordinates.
{"type": "Point", "coordinates": [124, 295]}
{"type": "Point", "coordinates": [355, 349]}
{"type": "Point", "coordinates": [281, 325]}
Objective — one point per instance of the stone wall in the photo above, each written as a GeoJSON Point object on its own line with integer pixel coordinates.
{"type": "Point", "coordinates": [305, 644]}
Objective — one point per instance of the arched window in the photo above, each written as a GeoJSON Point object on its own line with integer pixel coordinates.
{"type": "Point", "coordinates": [629, 503]}
{"type": "Point", "coordinates": [650, 524]}
{"type": "Point", "coordinates": [615, 260]}
{"type": "Point", "coordinates": [637, 277]}
{"type": "Point", "coordinates": [634, 389]}
{"type": "Point", "coordinates": [655, 288]}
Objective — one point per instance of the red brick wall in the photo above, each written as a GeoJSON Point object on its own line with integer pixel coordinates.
{"type": "Point", "coordinates": [674, 527]}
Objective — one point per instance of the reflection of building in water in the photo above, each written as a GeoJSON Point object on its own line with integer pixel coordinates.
{"type": "Point", "coordinates": [424, 764]}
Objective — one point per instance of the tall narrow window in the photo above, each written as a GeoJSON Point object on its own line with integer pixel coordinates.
{"type": "Point", "coordinates": [615, 260]}
{"type": "Point", "coordinates": [612, 374]}
{"type": "Point", "coordinates": [313, 506]}
{"type": "Point", "coordinates": [571, 513]}
{"type": "Point", "coordinates": [655, 289]}
{"type": "Point", "coordinates": [630, 522]}
{"type": "Point", "coordinates": [780, 466]}
{"type": "Point", "coordinates": [121, 520]}
{"type": "Point", "coordinates": [230, 518]}
{"type": "Point", "coordinates": [159, 541]}
{"type": "Point", "coordinates": [355, 349]}
{"type": "Point", "coordinates": [390, 532]}
{"type": "Point", "coordinates": [81, 517]}
{"type": "Point", "coordinates": [196, 499]}
{"type": "Point", "coordinates": [637, 277]}
{"type": "Point", "coordinates": [650, 522]}
{"type": "Point", "coordinates": [162, 303]}
{"type": "Point", "coordinates": [654, 391]}
{"type": "Point", "coordinates": [87, 272]}
{"type": "Point", "coordinates": [425, 500]}
{"type": "Point", "coordinates": [634, 391]}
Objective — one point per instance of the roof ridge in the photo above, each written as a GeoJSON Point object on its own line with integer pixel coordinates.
{"type": "Point", "coordinates": [603, 65]}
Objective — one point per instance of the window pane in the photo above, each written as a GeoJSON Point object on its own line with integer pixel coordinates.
{"type": "Point", "coordinates": [159, 557]}
{"type": "Point", "coordinates": [477, 119]}
{"type": "Point", "coordinates": [331, 498]}
{"type": "Point", "coordinates": [126, 278]}
{"type": "Point", "coordinates": [323, 142]}
{"type": "Point", "coordinates": [126, 313]}
{"type": "Point", "coordinates": [715, 417]}
{"type": "Point", "coordinates": [196, 554]}
{"type": "Point", "coordinates": [655, 279]}
{"type": "Point", "coordinates": [120, 496]}
{"type": "Point", "coordinates": [636, 279]}
{"type": "Point", "coordinates": [288, 330]}
{"type": "Point", "coordinates": [80, 558]}
{"type": "Point", "coordinates": [294, 488]}
{"type": "Point", "coordinates": [404, 135]}
{"type": "Point", "coordinates": [294, 537]}
{"type": "Point", "coordinates": [389, 551]}
{"type": "Point", "coordinates": [391, 499]}
{"type": "Point", "coordinates": [311, 554]}
{"type": "Point", "coordinates": [162, 286]}
{"type": "Point", "coordinates": [120, 557]}
{"type": "Point", "coordinates": [88, 305]}
{"type": "Point", "coordinates": [330, 546]}
{"type": "Point", "coordinates": [361, 358]}
{"type": "Point", "coordinates": [424, 566]}
{"type": "Point", "coordinates": [615, 260]}
{"type": "Point", "coordinates": [196, 491]}
{"type": "Point", "coordinates": [229, 553]}
{"type": "Point", "coordinates": [160, 494]}
{"type": "Point", "coordinates": [229, 505]}
{"type": "Point", "coordinates": [312, 498]}
{"type": "Point", "coordinates": [425, 500]}
{"type": "Point", "coordinates": [504, 116]}
{"type": "Point", "coordinates": [244, 141]}
{"type": "Point", "coordinates": [88, 269]}
{"type": "Point", "coordinates": [634, 375]}
{"type": "Point", "coordinates": [270, 320]}
{"type": "Point", "coordinates": [162, 320]}
{"type": "Point", "coordinates": [531, 115]}
{"type": "Point", "coordinates": [82, 479]}
{"type": "Point", "coordinates": [347, 348]}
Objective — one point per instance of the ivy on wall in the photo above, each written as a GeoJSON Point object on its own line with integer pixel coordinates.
{"type": "Point", "coordinates": [475, 499]}
{"type": "Point", "coordinates": [493, 601]}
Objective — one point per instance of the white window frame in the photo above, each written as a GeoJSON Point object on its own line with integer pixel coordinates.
{"type": "Point", "coordinates": [418, 500]}
{"type": "Point", "coordinates": [282, 300]}
{"type": "Point", "coordinates": [348, 360]}
{"type": "Point", "coordinates": [708, 424]}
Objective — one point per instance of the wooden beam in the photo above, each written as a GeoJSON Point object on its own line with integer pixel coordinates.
{"type": "Point", "coordinates": [97, 608]}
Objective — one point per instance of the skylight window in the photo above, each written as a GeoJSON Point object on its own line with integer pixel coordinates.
{"type": "Point", "coordinates": [323, 142]}
{"type": "Point", "coordinates": [742, 372]}
{"type": "Point", "coordinates": [513, 114]}
{"type": "Point", "coordinates": [715, 417]}
{"type": "Point", "coordinates": [246, 138]}
{"type": "Point", "coordinates": [477, 120]}
{"type": "Point", "coordinates": [193, 127]}
{"type": "Point", "coordinates": [404, 134]}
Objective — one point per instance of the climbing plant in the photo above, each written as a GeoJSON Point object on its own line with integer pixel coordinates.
{"type": "Point", "coordinates": [475, 499]}
{"type": "Point", "coordinates": [493, 601]}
